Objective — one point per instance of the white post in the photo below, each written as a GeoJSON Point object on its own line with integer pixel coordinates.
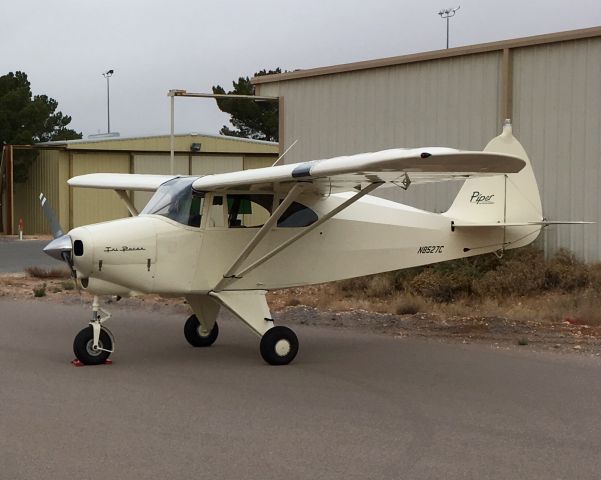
{"type": "Point", "coordinates": [172, 160]}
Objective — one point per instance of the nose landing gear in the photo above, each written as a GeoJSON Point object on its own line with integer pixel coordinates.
{"type": "Point", "coordinates": [94, 344]}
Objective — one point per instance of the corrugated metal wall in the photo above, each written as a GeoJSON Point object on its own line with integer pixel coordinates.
{"type": "Point", "coordinates": [58, 161]}
{"type": "Point", "coordinates": [557, 115]}
{"type": "Point", "coordinates": [90, 205]}
{"type": "Point", "coordinates": [258, 162]}
{"type": "Point", "coordinates": [450, 102]}
{"type": "Point", "coordinates": [43, 177]}
{"type": "Point", "coordinates": [206, 165]}
{"type": "Point", "coordinates": [456, 102]}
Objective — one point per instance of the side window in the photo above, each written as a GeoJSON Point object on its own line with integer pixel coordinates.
{"type": "Point", "coordinates": [248, 210]}
{"type": "Point", "coordinates": [297, 215]}
{"type": "Point", "coordinates": [216, 217]}
{"type": "Point", "coordinates": [195, 213]}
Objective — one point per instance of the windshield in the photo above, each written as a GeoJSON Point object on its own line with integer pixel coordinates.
{"type": "Point", "coordinates": [174, 200]}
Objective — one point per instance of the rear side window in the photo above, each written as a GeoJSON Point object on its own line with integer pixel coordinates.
{"type": "Point", "coordinates": [248, 210]}
{"type": "Point", "coordinates": [297, 215]}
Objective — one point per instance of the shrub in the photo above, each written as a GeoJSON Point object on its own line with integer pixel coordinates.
{"type": "Point", "coordinates": [515, 276]}
{"type": "Point", "coordinates": [408, 305]}
{"type": "Point", "coordinates": [565, 272]}
{"type": "Point", "coordinates": [381, 285]}
{"type": "Point", "coordinates": [518, 272]}
{"type": "Point", "coordinates": [46, 272]}
{"type": "Point", "coordinates": [40, 291]}
{"type": "Point", "coordinates": [437, 286]}
{"type": "Point", "coordinates": [594, 276]}
{"type": "Point", "coordinates": [68, 285]}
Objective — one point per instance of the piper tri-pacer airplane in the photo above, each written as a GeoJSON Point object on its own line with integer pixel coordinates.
{"type": "Point", "coordinates": [224, 240]}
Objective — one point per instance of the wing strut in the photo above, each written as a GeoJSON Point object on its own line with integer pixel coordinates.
{"type": "Point", "coordinates": [292, 195]}
{"type": "Point", "coordinates": [301, 234]}
{"type": "Point", "coordinates": [128, 203]}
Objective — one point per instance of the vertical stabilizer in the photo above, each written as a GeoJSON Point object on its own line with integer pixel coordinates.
{"type": "Point", "coordinates": [509, 198]}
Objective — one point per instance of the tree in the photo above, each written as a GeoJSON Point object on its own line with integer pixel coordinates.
{"type": "Point", "coordinates": [251, 119]}
{"type": "Point", "coordinates": [27, 119]}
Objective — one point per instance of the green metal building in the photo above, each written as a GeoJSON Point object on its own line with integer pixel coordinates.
{"type": "Point", "coordinates": [56, 162]}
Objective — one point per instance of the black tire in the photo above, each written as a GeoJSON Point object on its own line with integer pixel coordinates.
{"type": "Point", "coordinates": [83, 346]}
{"type": "Point", "coordinates": [192, 332]}
{"type": "Point", "coordinates": [279, 346]}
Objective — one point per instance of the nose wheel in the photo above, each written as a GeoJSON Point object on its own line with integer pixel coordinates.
{"type": "Point", "coordinates": [88, 353]}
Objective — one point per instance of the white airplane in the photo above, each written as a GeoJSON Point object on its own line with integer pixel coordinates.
{"type": "Point", "coordinates": [224, 240]}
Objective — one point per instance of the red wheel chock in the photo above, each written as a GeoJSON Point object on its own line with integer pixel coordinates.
{"type": "Point", "coordinates": [76, 363]}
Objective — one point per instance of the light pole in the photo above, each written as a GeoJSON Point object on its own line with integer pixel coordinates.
{"type": "Point", "coordinates": [447, 13]}
{"type": "Point", "coordinates": [108, 74]}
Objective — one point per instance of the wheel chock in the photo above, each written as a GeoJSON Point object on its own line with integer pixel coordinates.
{"type": "Point", "coordinates": [76, 363]}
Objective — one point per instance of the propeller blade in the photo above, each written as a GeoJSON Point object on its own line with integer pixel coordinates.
{"type": "Point", "coordinates": [55, 226]}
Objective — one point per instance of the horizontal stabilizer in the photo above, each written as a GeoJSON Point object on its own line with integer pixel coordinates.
{"type": "Point", "coordinates": [543, 223]}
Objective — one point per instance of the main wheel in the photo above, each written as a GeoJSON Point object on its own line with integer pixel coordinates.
{"type": "Point", "coordinates": [279, 346]}
{"type": "Point", "coordinates": [197, 336]}
{"type": "Point", "coordinates": [83, 346]}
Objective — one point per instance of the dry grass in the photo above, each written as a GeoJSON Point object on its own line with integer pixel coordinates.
{"type": "Point", "coordinates": [46, 272]}
{"type": "Point", "coordinates": [408, 304]}
{"type": "Point", "coordinates": [522, 286]}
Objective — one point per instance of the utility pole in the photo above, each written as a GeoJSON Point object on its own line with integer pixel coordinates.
{"type": "Point", "coordinates": [447, 13]}
{"type": "Point", "coordinates": [108, 74]}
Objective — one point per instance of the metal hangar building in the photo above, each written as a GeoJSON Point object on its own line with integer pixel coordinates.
{"type": "Point", "coordinates": [56, 162]}
{"type": "Point", "coordinates": [549, 86]}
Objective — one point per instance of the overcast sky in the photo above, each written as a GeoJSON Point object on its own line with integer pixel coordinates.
{"type": "Point", "coordinates": [157, 45]}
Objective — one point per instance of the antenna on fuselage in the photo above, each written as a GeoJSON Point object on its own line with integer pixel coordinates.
{"type": "Point", "coordinates": [287, 150]}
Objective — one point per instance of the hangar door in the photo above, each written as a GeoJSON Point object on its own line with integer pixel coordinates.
{"type": "Point", "coordinates": [91, 205]}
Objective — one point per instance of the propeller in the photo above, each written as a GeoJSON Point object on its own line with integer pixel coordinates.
{"type": "Point", "coordinates": [61, 247]}
{"type": "Point", "coordinates": [55, 226]}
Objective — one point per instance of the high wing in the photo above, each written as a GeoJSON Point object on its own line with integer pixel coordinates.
{"type": "Point", "coordinates": [399, 167]}
{"type": "Point", "coordinates": [120, 181]}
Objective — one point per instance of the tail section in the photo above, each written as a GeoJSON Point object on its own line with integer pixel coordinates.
{"type": "Point", "coordinates": [511, 201]}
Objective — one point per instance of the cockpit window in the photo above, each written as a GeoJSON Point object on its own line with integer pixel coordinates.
{"type": "Point", "coordinates": [174, 200]}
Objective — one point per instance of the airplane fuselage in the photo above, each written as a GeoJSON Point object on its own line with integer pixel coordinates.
{"type": "Point", "coordinates": [152, 253]}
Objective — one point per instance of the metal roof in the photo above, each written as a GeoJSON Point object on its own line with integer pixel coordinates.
{"type": "Point", "coordinates": [433, 55]}
{"type": "Point", "coordinates": [59, 143]}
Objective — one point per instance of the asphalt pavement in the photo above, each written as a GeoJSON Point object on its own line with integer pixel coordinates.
{"type": "Point", "coordinates": [351, 406]}
{"type": "Point", "coordinates": [16, 255]}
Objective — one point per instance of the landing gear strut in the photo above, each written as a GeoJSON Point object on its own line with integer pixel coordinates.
{"type": "Point", "coordinates": [94, 344]}
{"type": "Point", "coordinates": [279, 345]}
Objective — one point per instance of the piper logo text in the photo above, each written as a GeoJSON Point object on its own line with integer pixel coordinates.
{"type": "Point", "coordinates": [481, 199]}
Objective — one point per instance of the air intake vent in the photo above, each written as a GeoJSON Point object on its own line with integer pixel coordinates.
{"type": "Point", "coordinates": [78, 248]}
